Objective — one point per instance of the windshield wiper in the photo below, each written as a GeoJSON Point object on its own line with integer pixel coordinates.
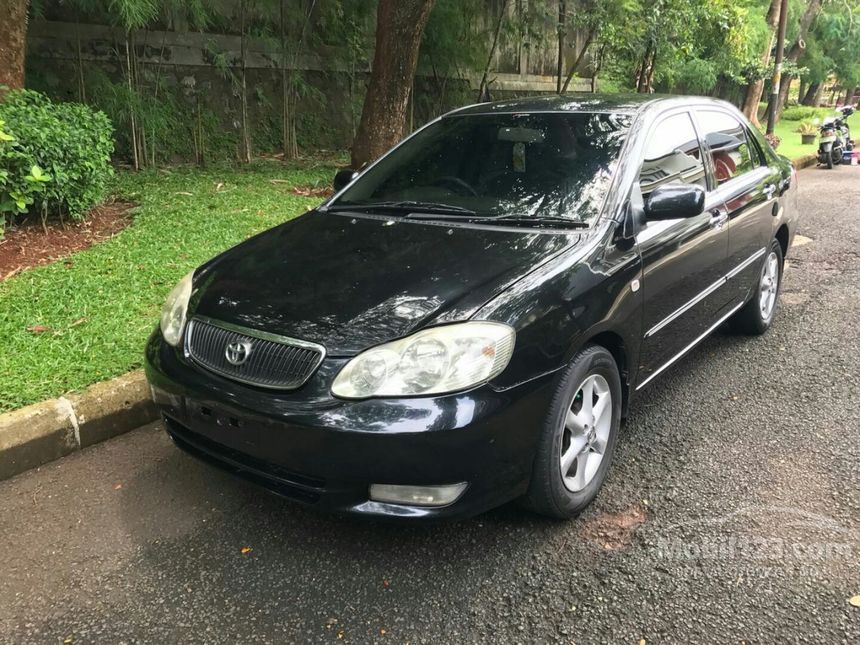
{"type": "Point", "coordinates": [540, 219]}
{"type": "Point", "coordinates": [406, 205]}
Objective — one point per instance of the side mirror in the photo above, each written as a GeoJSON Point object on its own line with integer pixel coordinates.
{"type": "Point", "coordinates": [675, 201]}
{"type": "Point", "coordinates": [342, 178]}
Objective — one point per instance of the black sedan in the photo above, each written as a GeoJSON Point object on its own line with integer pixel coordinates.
{"type": "Point", "coordinates": [467, 320]}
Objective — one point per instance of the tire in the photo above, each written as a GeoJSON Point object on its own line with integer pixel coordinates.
{"type": "Point", "coordinates": [549, 492]}
{"type": "Point", "coordinates": [756, 316]}
{"type": "Point", "coordinates": [829, 161]}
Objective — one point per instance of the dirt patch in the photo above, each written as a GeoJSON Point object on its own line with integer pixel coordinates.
{"type": "Point", "coordinates": [614, 531]}
{"type": "Point", "coordinates": [27, 244]}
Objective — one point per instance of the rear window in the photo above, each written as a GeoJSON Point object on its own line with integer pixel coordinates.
{"type": "Point", "coordinates": [535, 164]}
{"type": "Point", "coordinates": [727, 143]}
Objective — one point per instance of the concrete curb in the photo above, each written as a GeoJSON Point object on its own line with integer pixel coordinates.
{"type": "Point", "coordinates": [804, 162]}
{"type": "Point", "coordinates": [45, 431]}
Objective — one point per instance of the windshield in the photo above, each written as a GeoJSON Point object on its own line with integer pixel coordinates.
{"type": "Point", "coordinates": [539, 165]}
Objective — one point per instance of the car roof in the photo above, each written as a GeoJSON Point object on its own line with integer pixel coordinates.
{"type": "Point", "coordinates": [586, 102]}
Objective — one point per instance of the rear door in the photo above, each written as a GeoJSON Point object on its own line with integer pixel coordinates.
{"type": "Point", "coordinates": [748, 189]}
{"type": "Point", "coordinates": [683, 260]}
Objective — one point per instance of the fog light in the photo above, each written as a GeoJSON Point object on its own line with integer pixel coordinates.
{"type": "Point", "coordinates": [417, 495]}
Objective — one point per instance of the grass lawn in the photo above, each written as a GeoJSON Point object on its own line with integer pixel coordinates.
{"type": "Point", "coordinates": [790, 145]}
{"type": "Point", "coordinates": [101, 304]}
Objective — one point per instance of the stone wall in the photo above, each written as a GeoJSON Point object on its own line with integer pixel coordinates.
{"type": "Point", "coordinates": [184, 64]}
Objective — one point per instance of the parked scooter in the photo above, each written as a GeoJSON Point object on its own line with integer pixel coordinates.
{"type": "Point", "coordinates": [835, 138]}
{"type": "Point", "coordinates": [846, 111]}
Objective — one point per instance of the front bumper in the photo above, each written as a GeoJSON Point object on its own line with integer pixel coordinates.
{"type": "Point", "coordinates": [325, 452]}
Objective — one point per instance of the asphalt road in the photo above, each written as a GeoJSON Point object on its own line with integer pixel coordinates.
{"type": "Point", "coordinates": [731, 514]}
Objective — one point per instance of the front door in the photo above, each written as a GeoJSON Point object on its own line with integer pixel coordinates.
{"type": "Point", "coordinates": [683, 260]}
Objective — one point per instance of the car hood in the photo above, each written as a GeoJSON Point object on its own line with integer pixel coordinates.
{"type": "Point", "coordinates": [349, 282]}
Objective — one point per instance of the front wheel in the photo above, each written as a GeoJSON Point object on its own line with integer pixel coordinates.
{"type": "Point", "coordinates": [756, 317]}
{"type": "Point", "coordinates": [578, 437]}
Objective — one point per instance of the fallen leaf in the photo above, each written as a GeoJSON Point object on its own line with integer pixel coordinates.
{"type": "Point", "coordinates": [854, 601]}
{"type": "Point", "coordinates": [117, 487]}
{"type": "Point", "coordinates": [38, 329]}
{"type": "Point", "coordinates": [79, 321]}
{"type": "Point", "coordinates": [246, 549]}
{"type": "Point", "coordinates": [181, 192]}
{"type": "Point", "coordinates": [340, 634]}
{"type": "Point", "coordinates": [382, 632]}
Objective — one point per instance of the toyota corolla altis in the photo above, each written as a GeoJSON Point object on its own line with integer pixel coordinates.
{"type": "Point", "coordinates": [466, 321]}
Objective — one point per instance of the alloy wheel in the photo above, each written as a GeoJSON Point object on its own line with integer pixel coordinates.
{"type": "Point", "coordinates": [768, 286]}
{"type": "Point", "coordinates": [586, 433]}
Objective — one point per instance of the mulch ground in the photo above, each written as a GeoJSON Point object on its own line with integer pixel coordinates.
{"type": "Point", "coordinates": [26, 244]}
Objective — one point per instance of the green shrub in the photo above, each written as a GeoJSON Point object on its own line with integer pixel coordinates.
{"type": "Point", "coordinates": [804, 113]}
{"type": "Point", "coordinates": [56, 156]}
{"type": "Point", "coordinates": [20, 185]}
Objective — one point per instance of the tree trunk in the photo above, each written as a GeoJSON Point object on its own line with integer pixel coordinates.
{"type": "Point", "coordinates": [756, 87]}
{"type": "Point", "coordinates": [559, 68]}
{"type": "Point", "coordinates": [849, 96]}
{"type": "Point", "coordinates": [483, 92]}
{"type": "Point", "coordinates": [578, 60]}
{"type": "Point", "coordinates": [13, 42]}
{"type": "Point", "coordinates": [245, 150]}
{"type": "Point", "coordinates": [819, 94]}
{"type": "Point", "coordinates": [288, 90]}
{"type": "Point", "coordinates": [399, 27]}
{"type": "Point", "coordinates": [646, 69]}
{"type": "Point", "coordinates": [131, 116]}
{"type": "Point", "coordinates": [812, 10]}
{"type": "Point", "coordinates": [811, 92]}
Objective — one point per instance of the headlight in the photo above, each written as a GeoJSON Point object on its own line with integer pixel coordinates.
{"type": "Point", "coordinates": [434, 361]}
{"type": "Point", "coordinates": [175, 308]}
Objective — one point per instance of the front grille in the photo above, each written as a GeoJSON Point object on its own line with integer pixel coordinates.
{"type": "Point", "coordinates": [270, 361]}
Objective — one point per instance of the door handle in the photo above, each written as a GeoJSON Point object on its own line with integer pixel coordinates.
{"type": "Point", "coordinates": [769, 190]}
{"type": "Point", "coordinates": [719, 218]}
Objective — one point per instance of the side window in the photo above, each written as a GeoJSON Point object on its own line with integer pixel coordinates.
{"type": "Point", "coordinates": [727, 143]}
{"type": "Point", "coordinates": [672, 155]}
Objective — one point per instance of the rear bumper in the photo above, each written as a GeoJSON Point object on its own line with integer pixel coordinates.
{"type": "Point", "coordinates": [326, 452]}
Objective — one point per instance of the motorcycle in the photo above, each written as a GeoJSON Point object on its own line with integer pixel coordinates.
{"type": "Point", "coordinates": [846, 111]}
{"type": "Point", "coordinates": [835, 138]}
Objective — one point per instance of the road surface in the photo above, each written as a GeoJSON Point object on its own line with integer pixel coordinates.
{"type": "Point", "coordinates": [731, 514]}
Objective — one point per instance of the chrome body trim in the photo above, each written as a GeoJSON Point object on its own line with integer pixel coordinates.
{"type": "Point", "coordinates": [743, 265]}
{"type": "Point", "coordinates": [699, 339]}
{"type": "Point", "coordinates": [704, 294]}
{"type": "Point", "coordinates": [253, 333]}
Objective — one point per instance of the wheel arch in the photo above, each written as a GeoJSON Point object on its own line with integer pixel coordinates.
{"type": "Point", "coordinates": [782, 236]}
{"type": "Point", "coordinates": [614, 343]}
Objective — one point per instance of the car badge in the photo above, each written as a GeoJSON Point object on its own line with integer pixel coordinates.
{"type": "Point", "coordinates": [238, 352]}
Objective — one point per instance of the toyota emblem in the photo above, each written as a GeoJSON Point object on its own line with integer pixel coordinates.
{"type": "Point", "coordinates": [238, 352]}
